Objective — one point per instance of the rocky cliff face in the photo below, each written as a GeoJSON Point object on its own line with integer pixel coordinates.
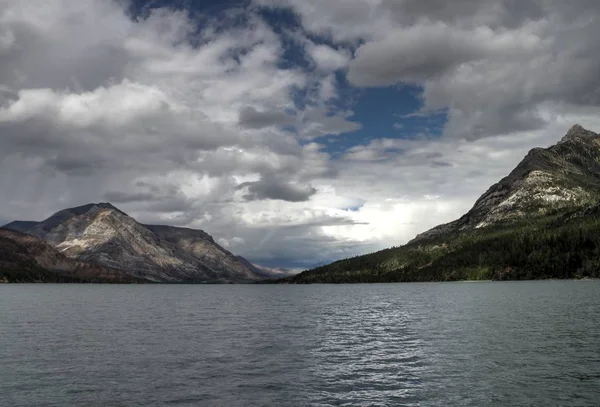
{"type": "Point", "coordinates": [564, 175]}
{"type": "Point", "coordinates": [202, 247]}
{"type": "Point", "coordinates": [27, 258]}
{"type": "Point", "coordinates": [102, 234]}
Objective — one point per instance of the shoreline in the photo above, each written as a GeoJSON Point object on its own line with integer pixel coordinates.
{"type": "Point", "coordinates": [251, 284]}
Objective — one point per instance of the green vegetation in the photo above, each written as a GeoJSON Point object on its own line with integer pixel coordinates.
{"type": "Point", "coordinates": [561, 245]}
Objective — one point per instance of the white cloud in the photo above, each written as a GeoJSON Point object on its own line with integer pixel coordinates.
{"type": "Point", "coordinates": [327, 88]}
{"type": "Point", "coordinates": [491, 64]}
{"type": "Point", "coordinates": [328, 58]}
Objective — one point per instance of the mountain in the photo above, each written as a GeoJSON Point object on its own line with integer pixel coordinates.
{"type": "Point", "coordinates": [202, 247]}
{"type": "Point", "coordinates": [540, 221]}
{"type": "Point", "coordinates": [257, 270]}
{"type": "Point", "coordinates": [267, 272]}
{"type": "Point", "coordinates": [562, 176]}
{"type": "Point", "coordinates": [26, 258]}
{"type": "Point", "coordinates": [104, 235]}
{"type": "Point", "coordinates": [21, 225]}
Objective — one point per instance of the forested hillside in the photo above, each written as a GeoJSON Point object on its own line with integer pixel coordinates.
{"type": "Point", "coordinates": [541, 221]}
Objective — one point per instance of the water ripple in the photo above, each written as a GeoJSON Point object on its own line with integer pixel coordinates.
{"type": "Point", "coordinates": [489, 344]}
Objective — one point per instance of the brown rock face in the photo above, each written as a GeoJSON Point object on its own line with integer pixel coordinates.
{"type": "Point", "coordinates": [578, 132]}
{"type": "Point", "coordinates": [104, 235]}
{"type": "Point", "coordinates": [201, 247]}
{"type": "Point", "coordinates": [26, 258]}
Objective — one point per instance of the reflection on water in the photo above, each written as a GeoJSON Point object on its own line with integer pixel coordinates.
{"type": "Point", "coordinates": [528, 343]}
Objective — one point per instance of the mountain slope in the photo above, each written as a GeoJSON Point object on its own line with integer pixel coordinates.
{"type": "Point", "coordinates": [104, 235]}
{"type": "Point", "coordinates": [26, 258]}
{"type": "Point", "coordinates": [564, 175]}
{"type": "Point", "coordinates": [541, 221]}
{"type": "Point", "coordinates": [268, 272]}
{"type": "Point", "coordinates": [21, 225]}
{"type": "Point", "coordinates": [201, 246]}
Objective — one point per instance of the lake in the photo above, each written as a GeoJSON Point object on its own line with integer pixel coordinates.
{"type": "Point", "coordinates": [433, 344]}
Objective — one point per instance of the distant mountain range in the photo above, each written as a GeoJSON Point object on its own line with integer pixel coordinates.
{"type": "Point", "coordinates": [98, 242]}
{"type": "Point", "coordinates": [541, 221]}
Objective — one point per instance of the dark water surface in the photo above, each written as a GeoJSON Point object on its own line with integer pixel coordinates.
{"type": "Point", "coordinates": [447, 344]}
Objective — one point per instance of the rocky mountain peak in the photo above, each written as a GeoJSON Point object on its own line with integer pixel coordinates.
{"type": "Point", "coordinates": [65, 215]}
{"type": "Point", "coordinates": [578, 132]}
{"type": "Point", "coordinates": [101, 234]}
{"type": "Point", "coordinates": [564, 175]}
{"type": "Point", "coordinates": [107, 205]}
{"type": "Point", "coordinates": [80, 210]}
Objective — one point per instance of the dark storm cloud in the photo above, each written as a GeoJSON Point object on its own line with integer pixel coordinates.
{"type": "Point", "coordinates": [273, 188]}
{"type": "Point", "coordinates": [76, 166]}
{"type": "Point", "coordinates": [251, 118]}
{"type": "Point", "coordinates": [124, 197]}
{"type": "Point", "coordinates": [92, 67]}
{"type": "Point", "coordinates": [440, 164]}
{"type": "Point", "coordinates": [412, 56]}
{"type": "Point", "coordinates": [153, 198]}
{"type": "Point", "coordinates": [7, 96]}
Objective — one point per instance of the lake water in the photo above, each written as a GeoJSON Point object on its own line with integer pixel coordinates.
{"type": "Point", "coordinates": [446, 344]}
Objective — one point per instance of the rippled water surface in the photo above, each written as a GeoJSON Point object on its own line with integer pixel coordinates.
{"type": "Point", "coordinates": [452, 344]}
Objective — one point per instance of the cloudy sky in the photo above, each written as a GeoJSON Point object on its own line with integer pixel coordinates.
{"type": "Point", "coordinates": [294, 131]}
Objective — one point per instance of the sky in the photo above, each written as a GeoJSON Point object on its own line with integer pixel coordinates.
{"type": "Point", "coordinates": [296, 132]}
